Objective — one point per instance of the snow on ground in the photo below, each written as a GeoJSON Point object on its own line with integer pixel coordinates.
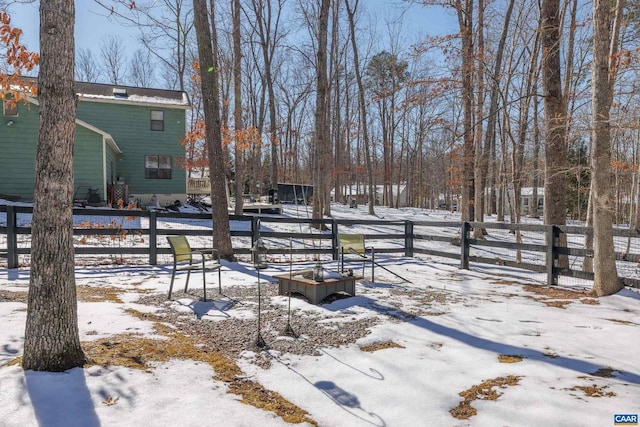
{"type": "Point", "coordinates": [575, 360]}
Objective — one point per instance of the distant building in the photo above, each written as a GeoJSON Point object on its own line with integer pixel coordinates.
{"type": "Point", "coordinates": [295, 193]}
{"type": "Point", "coordinates": [528, 206]}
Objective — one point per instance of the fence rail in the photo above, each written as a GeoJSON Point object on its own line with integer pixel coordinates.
{"type": "Point", "coordinates": [532, 247]}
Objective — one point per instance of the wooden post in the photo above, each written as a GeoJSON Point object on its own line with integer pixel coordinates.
{"type": "Point", "coordinates": [12, 238]}
{"type": "Point", "coordinates": [153, 238]}
{"type": "Point", "coordinates": [553, 233]}
{"type": "Point", "coordinates": [464, 245]}
{"type": "Point", "coordinates": [334, 239]}
{"type": "Point", "coordinates": [408, 239]}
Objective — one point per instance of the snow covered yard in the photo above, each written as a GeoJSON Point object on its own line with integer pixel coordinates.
{"type": "Point", "coordinates": [452, 348]}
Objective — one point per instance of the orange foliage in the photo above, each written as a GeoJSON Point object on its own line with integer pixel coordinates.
{"type": "Point", "coordinates": [12, 88]}
{"type": "Point", "coordinates": [616, 164]}
{"type": "Point", "coordinates": [195, 143]}
{"type": "Point", "coordinates": [455, 169]}
{"type": "Point", "coordinates": [244, 139]}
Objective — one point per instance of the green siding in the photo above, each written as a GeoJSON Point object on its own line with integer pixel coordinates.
{"type": "Point", "coordinates": [17, 163]}
{"type": "Point", "coordinates": [87, 162]}
{"type": "Point", "coordinates": [130, 126]}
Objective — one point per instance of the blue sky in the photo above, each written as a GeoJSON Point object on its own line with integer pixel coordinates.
{"type": "Point", "coordinates": [92, 24]}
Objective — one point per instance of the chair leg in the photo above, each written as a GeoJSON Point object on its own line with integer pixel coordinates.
{"type": "Point", "coordinates": [220, 281]}
{"type": "Point", "coordinates": [204, 284]}
{"type": "Point", "coordinates": [186, 285]}
{"type": "Point", "coordinates": [373, 267]}
{"type": "Point", "coordinates": [173, 276]}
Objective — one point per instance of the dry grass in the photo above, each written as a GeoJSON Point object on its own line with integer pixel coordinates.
{"type": "Point", "coordinates": [558, 297]}
{"type": "Point", "coordinates": [509, 358]}
{"type": "Point", "coordinates": [593, 390]}
{"type": "Point", "coordinates": [137, 352]}
{"type": "Point", "coordinates": [380, 346]}
{"type": "Point", "coordinates": [10, 296]}
{"type": "Point", "coordinates": [484, 391]}
{"type": "Point", "coordinates": [99, 294]}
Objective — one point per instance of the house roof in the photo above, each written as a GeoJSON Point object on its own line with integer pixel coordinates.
{"type": "Point", "coordinates": [100, 92]}
{"type": "Point", "coordinates": [122, 94]}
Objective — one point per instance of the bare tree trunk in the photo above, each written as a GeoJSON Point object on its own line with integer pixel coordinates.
{"type": "Point", "coordinates": [266, 27]}
{"type": "Point", "coordinates": [321, 128]}
{"type": "Point", "coordinates": [555, 120]}
{"type": "Point", "coordinates": [52, 341]}
{"type": "Point", "coordinates": [237, 109]}
{"type": "Point", "coordinates": [605, 38]}
{"type": "Point", "coordinates": [362, 106]}
{"type": "Point", "coordinates": [479, 161]}
{"type": "Point", "coordinates": [211, 97]}
{"type": "Point", "coordinates": [465, 21]}
{"type": "Point", "coordinates": [490, 136]}
{"type": "Point", "coordinates": [536, 153]}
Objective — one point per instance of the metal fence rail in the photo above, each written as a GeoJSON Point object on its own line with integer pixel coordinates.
{"type": "Point", "coordinates": [535, 248]}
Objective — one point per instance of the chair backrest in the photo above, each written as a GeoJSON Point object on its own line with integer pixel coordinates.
{"type": "Point", "coordinates": [180, 248]}
{"type": "Point", "coordinates": [351, 243]}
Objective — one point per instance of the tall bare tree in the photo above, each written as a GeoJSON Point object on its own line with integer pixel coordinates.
{"type": "Point", "coordinates": [266, 25]}
{"type": "Point", "coordinates": [362, 105]}
{"type": "Point", "coordinates": [141, 69]}
{"type": "Point", "coordinates": [554, 116]}
{"type": "Point", "coordinates": [113, 56]}
{"type": "Point", "coordinates": [606, 26]}
{"type": "Point", "coordinates": [205, 34]}
{"type": "Point", "coordinates": [321, 140]}
{"type": "Point", "coordinates": [86, 69]}
{"type": "Point", "coordinates": [464, 11]}
{"type": "Point", "coordinates": [52, 341]}
{"type": "Point", "coordinates": [166, 31]}
{"type": "Point", "coordinates": [237, 107]}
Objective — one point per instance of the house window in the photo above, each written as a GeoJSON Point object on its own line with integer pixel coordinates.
{"type": "Point", "coordinates": [157, 120]}
{"type": "Point", "coordinates": [157, 167]}
{"type": "Point", "coordinates": [10, 108]}
{"type": "Point", "coordinates": [526, 202]}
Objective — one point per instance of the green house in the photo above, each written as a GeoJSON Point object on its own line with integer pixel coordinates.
{"type": "Point", "coordinates": [127, 145]}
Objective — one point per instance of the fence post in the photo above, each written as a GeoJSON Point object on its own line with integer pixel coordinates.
{"type": "Point", "coordinates": [464, 245]}
{"type": "Point", "coordinates": [255, 229]}
{"type": "Point", "coordinates": [408, 239]}
{"type": "Point", "coordinates": [12, 238]}
{"type": "Point", "coordinates": [553, 234]}
{"type": "Point", "coordinates": [334, 239]}
{"type": "Point", "coordinates": [153, 238]}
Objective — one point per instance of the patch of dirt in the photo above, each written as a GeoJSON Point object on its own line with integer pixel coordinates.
{"type": "Point", "coordinates": [380, 346]}
{"type": "Point", "coordinates": [483, 391]}
{"type": "Point", "coordinates": [604, 373]}
{"type": "Point", "coordinates": [593, 390]}
{"type": "Point", "coordinates": [509, 358]}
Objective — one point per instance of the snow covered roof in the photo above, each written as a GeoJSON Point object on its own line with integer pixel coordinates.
{"type": "Point", "coordinates": [99, 92]}
{"type": "Point", "coordinates": [121, 94]}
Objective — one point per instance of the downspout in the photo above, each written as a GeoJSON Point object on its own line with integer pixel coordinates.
{"type": "Point", "coordinates": [104, 168]}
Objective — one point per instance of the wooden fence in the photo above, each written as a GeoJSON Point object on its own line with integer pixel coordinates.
{"type": "Point", "coordinates": [533, 247]}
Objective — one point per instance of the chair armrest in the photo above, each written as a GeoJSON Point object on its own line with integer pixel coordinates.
{"type": "Point", "coordinates": [215, 254]}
